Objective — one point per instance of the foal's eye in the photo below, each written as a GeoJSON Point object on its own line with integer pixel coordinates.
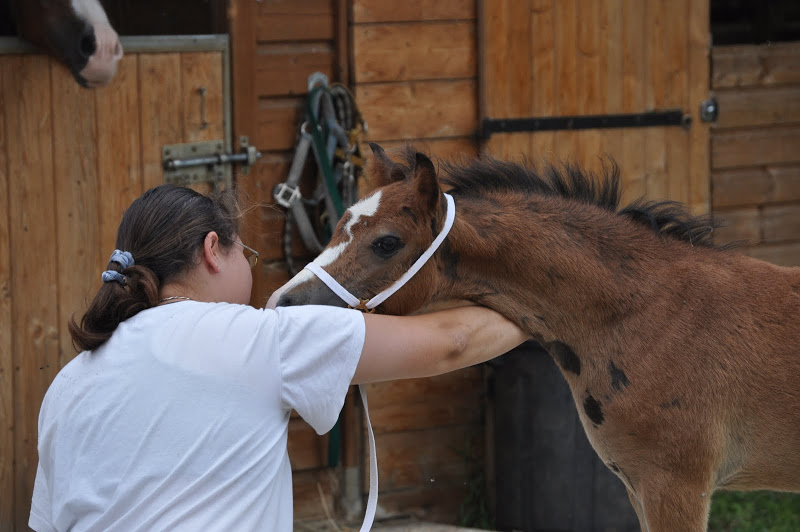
{"type": "Point", "coordinates": [387, 246]}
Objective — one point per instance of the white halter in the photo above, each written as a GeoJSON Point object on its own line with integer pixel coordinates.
{"type": "Point", "coordinates": [368, 305]}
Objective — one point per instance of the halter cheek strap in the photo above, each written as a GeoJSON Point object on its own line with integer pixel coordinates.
{"type": "Point", "coordinates": [368, 305]}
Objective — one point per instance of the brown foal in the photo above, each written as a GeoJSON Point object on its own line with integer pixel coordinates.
{"type": "Point", "coordinates": [682, 357]}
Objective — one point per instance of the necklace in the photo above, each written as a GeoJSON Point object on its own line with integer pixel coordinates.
{"type": "Point", "coordinates": [174, 298]}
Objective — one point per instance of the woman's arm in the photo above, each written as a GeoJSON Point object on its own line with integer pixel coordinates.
{"type": "Point", "coordinates": [403, 347]}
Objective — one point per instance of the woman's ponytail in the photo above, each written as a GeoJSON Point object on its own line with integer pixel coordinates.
{"type": "Point", "coordinates": [127, 290]}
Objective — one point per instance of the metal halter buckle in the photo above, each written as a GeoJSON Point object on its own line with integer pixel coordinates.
{"type": "Point", "coordinates": [285, 195]}
{"type": "Point", "coordinates": [362, 306]}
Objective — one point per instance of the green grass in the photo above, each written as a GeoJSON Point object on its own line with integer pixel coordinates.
{"type": "Point", "coordinates": [758, 511]}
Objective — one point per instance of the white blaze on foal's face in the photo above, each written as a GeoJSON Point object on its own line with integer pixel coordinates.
{"type": "Point", "coordinates": [364, 208]}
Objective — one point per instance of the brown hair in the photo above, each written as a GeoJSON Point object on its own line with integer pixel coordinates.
{"type": "Point", "coordinates": [163, 229]}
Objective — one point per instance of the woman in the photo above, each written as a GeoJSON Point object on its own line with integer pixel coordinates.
{"type": "Point", "coordinates": [175, 415]}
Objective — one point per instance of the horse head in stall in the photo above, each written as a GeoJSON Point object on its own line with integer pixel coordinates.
{"type": "Point", "coordinates": [681, 356]}
{"type": "Point", "coordinates": [75, 32]}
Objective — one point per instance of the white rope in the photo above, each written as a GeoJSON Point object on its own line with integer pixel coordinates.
{"type": "Point", "coordinates": [372, 500]}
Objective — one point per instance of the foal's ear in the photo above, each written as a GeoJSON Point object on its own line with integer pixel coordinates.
{"type": "Point", "coordinates": [425, 181]}
{"type": "Point", "coordinates": [382, 169]}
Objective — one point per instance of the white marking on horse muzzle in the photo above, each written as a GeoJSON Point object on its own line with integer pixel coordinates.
{"type": "Point", "coordinates": [370, 304]}
{"type": "Point", "coordinates": [366, 207]}
{"type": "Point", "coordinates": [102, 64]}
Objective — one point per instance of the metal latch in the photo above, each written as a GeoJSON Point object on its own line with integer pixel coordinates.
{"type": "Point", "coordinates": [205, 162]}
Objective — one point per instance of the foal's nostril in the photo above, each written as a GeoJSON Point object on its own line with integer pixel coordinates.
{"type": "Point", "coordinates": [286, 301]}
{"type": "Point", "coordinates": [88, 44]}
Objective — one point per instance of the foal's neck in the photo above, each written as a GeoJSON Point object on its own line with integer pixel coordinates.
{"type": "Point", "coordinates": [554, 267]}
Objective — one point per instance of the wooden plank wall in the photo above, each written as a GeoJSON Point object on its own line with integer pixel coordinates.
{"type": "Point", "coordinates": [71, 160]}
{"type": "Point", "coordinates": [415, 79]}
{"type": "Point", "coordinates": [543, 58]}
{"type": "Point", "coordinates": [755, 148]}
{"type": "Point", "coordinates": [415, 73]}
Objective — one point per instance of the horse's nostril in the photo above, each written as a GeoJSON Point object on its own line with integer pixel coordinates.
{"type": "Point", "coordinates": [88, 44]}
{"type": "Point", "coordinates": [286, 301]}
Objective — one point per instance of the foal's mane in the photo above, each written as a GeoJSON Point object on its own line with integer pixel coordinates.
{"type": "Point", "coordinates": [569, 181]}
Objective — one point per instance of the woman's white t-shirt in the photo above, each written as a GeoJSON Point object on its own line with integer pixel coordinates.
{"type": "Point", "coordinates": [179, 421]}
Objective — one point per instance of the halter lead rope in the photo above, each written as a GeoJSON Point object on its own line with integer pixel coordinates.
{"type": "Point", "coordinates": [368, 305]}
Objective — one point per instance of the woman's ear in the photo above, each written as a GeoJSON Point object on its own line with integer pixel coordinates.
{"type": "Point", "coordinates": [212, 251]}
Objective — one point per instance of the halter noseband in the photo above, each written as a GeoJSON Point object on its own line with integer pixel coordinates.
{"type": "Point", "coordinates": [368, 305]}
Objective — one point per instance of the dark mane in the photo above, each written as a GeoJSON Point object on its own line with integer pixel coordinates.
{"type": "Point", "coordinates": [569, 181]}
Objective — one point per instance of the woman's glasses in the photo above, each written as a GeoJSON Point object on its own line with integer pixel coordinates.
{"type": "Point", "coordinates": [250, 253]}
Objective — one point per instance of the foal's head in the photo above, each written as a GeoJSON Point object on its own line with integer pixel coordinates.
{"type": "Point", "coordinates": [379, 238]}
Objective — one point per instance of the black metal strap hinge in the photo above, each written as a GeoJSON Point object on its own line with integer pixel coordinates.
{"type": "Point", "coordinates": [673, 117]}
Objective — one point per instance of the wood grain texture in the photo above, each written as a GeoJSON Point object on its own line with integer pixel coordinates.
{"type": "Point", "coordinates": [283, 69]}
{"type": "Point", "coordinates": [202, 70]}
{"type": "Point", "coordinates": [277, 123]}
{"type": "Point", "coordinates": [292, 20]}
{"type": "Point", "coordinates": [366, 11]}
{"type": "Point", "coordinates": [161, 111]}
{"type": "Point", "coordinates": [741, 187]}
{"type": "Point", "coordinates": [419, 110]}
{"type": "Point", "coordinates": [759, 106]}
{"type": "Point", "coordinates": [755, 66]}
{"type": "Point", "coordinates": [414, 51]}
{"type": "Point", "coordinates": [419, 404]}
{"type": "Point", "coordinates": [420, 458]}
{"type": "Point", "coordinates": [756, 186]}
{"type": "Point", "coordinates": [119, 153]}
{"type": "Point", "coordinates": [76, 181]}
{"type": "Point", "coordinates": [31, 199]}
{"type": "Point", "coordinates": [777, 145]}
{"type": "Point", "coordinates": [7, 384]}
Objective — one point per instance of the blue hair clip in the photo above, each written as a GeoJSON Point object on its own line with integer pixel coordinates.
{"type": "Point", "coordinates": [124, 259]}
{"type": "Point", "coordinates": [110, 276]}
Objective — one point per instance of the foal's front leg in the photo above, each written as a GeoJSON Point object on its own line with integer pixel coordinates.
{"type": "Point", "coordinates": [673, 505]}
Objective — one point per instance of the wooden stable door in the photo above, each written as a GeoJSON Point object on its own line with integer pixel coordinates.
{"type": "Point", "coordinates": [588, 58]}
{"type": "Point", "coordinates": [71, 161]}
